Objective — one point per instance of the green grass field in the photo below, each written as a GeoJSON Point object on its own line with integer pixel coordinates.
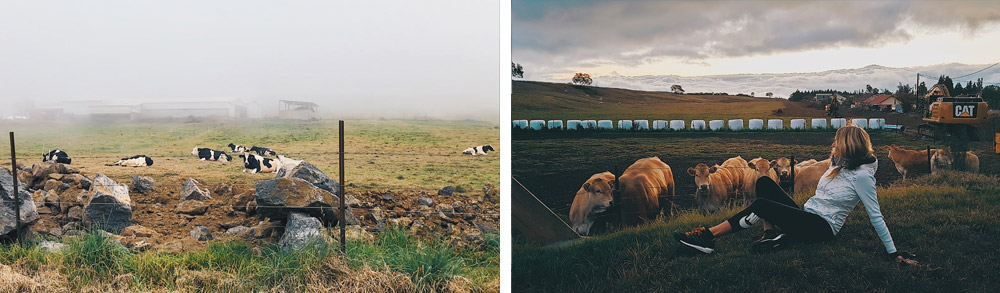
{"type": "Point", "coordinates": [948, 220]}
{"type": "Point", "coordinates": [380, 155]}
{"type": "Point", "coordinates": [424, 155]}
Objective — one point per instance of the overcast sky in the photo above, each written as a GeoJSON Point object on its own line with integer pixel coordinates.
{"type": "Point", "coordinates": [433, 58]}
{"type": "Point", "coordinates": [554, 39]}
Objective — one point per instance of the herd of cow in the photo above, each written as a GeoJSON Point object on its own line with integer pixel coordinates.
{"type": "Point", "coordinates": [647, 186]}
{"type": "Point", "coordinates": [254, 160]}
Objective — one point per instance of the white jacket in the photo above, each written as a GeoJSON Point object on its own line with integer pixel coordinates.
{"type": "Point", "coordinates": [835, 198]}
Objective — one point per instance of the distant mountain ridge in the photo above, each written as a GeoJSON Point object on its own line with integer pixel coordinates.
{"type": "Point", "coordinates": [783, 84]}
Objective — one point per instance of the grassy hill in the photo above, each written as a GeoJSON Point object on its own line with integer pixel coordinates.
{"type": "Point", "coordinates": [542, 100]}
{"type": "Point", "coordinates": [948, 220]}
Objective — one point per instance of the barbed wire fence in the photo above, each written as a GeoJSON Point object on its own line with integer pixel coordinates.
{"type": "Point", "coordinates": [359, 208]}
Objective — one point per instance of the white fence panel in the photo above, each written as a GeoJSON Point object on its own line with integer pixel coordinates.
{"type": "Point", "coordinates": [837, 123]}
{"type": "Point", "coordinates": [876, 123]}
{"type": "Point", "coordinates": [798, 124]}
{"type": "Point", "coordinates": [819, 123]}
{"type": "Point", "coordinates": [642, 124]}
{"type": "Point", "coordinates": [574, 124]}
{"type": "Point", "coordinates": [716, 125]}
{"type": "Point", "coordinates": [775, 124]}
{"type": "Point", "coordinates": [860, 122]}
{"type": "Point", "coordinates": [605, 124]}
{"type": "Point", "coordinates": [756, 124]}
{"type": "Point", "coordinates": [736, 124]}
{"type": "Point", "coordinates": [555, 124]}
{"type": "Point", "coordinates": [659, 124]}
{"type": "Point", "coordinates": [625, 124]}
{"type": "Point", "coordinates": [698, 125]}
{"type": "Point", "coordinates": [676, 124]}
{"type": "Point", "coordinates": [536, 124]}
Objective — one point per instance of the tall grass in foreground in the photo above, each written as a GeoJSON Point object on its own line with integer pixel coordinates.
{"type": "Point", "coordinates": [949, 220]}
{"type": "Point", "coordinates": [430, 264]}
{"type": "Point", "coordinates": [96, 262]}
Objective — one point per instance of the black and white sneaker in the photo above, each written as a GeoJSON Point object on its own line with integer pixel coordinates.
{"type": "Point", "coordinates": [772, 239]}
{"type": "Point", "coordinates": [700, 239]}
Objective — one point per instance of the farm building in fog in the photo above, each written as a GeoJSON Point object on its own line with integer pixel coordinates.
{"type": "Point", "coordinates": [219, 108]}
{"type": "Point", "coordinates": [297, 110]}
{"type": "Point", "coordinates": [231, 108]}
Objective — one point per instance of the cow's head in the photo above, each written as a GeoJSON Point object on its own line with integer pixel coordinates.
{"type": "Point", "coordinates": [45, 157]}
{"type": "Point", "coordinates": [250, 161]}
{"type": "Point", "coordinates": [761, 166]}
{"type": "Point", "coordinates": [194, 151]}
{"type": "Point", "coordinates": [594, 197]}
{"type": "Point", "coordinates": [942, 159]}
{"type": "Point", "coordinates": [226, 157]}
{"type": "Point", "coordinates": [783, 166]}
{"type": "Point", "coordinates": [701, 178]}
{"type": "Point", "coordinates": [488, 148]}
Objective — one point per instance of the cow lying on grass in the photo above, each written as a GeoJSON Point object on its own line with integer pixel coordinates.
{"type": "Point", "coordinates": [478, 150]}
{"type": "Point", "coordinates": [134, 161]}
{"type": "Point", "coordinates": [211, 155]}
{"type": "Point", "coordinates": [256, 164]}
{"type": "Point", "coordinates": [56, 156]}
{"type": "Point", "coordinates": [262, 151]}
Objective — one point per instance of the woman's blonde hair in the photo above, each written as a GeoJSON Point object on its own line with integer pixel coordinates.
{"type": "Point", "coordinates": [851, 144]}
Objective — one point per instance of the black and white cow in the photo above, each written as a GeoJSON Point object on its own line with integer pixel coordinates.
{"type": "Point", "coordinates": [134, 161]}
{"type": "Point", "coordinates": [256, 164]}
{"type": "Point", "coordinates": [210, 154]}
{"type": "Point", "coordinates": [479, 150]}
{"type": "Point", "coordinates": [56, 156]}
{"type": "Point", "coordinates": [237, 148]}
{"type": "Point", "coordinates": [263, 151]}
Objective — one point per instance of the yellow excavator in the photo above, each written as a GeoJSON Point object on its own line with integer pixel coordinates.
{"type": "Point", "coordinates": [953, 120]}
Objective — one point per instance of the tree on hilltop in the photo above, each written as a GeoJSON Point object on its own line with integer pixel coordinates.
{"type": "Point", "coordinates": [582, 79]}
{"type": "Point", "coordinates": [516, 70]}
{"type": "Point", "coordinates": [677, 89]}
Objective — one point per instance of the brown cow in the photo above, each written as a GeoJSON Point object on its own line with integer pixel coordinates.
{"type": "Point", "coordinates": [808, 173]}
{"type": "Point", "coordinates": [908, 161]}
{"type": "Point", "coordinates": [643, 185]}
{"type": "Point", "coordinates": [593, 197]}
{"type": "Point", "coordinates": [782, 167]}
{"type": "Point", "coordinates": [943, 158]}
{"type": "Point", "coordinates": [759, 167]}
{"type": "Point", "coordinates": [717, 183]}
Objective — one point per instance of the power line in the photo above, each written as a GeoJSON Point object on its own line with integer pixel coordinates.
{"type": "Point", "coordinates": [963, 76]}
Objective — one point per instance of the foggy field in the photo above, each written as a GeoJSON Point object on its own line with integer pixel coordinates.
{"type": "Point", "coordinates": [413, 155]}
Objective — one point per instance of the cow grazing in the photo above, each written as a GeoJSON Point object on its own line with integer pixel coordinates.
{"type": "Point", "coordinates": [594, 197]}
{"type": "Point", "coordinates": [56, 156]}
{"type": "Point", "coordinates": [808, 173]}
{"type": "Point", "coordinates": [256, 164]}
{"type": "Point", "coordinates": [211, 155]}
{"type": "Point", "coordinates": [908, 161]}
{"type": "Point", "coordinates": [717, 183]}
{"type": "Point", "coordinates": [134, 161]}
{"type": "Point", "coordinates": [238, 148]}
{"type": "Point", "coordinates": [759, 167]}
{"type": "Point", "coordinates": [478, 150]}
{"type": "Point", "coordinates": [262, 151]}
{"type": "Point", "coordinates": [644, 185]}
{"type": "Point", "coordinates": [942, 159]}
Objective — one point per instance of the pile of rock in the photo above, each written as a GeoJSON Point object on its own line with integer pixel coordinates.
{"type": "Point", "coordinates": [463, 218]}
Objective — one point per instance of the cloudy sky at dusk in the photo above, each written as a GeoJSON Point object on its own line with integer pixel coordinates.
{"type": "Point", "coordinates": [552, 40]}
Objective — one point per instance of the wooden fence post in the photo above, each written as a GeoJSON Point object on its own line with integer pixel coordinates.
{"type": "Point", "coordinates": [17, 195]}
{"type": "Point", "coordinates": [343, 225]}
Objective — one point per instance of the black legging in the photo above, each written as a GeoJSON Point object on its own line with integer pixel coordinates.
{"type": "Point", "coordinates": [777, 208]}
